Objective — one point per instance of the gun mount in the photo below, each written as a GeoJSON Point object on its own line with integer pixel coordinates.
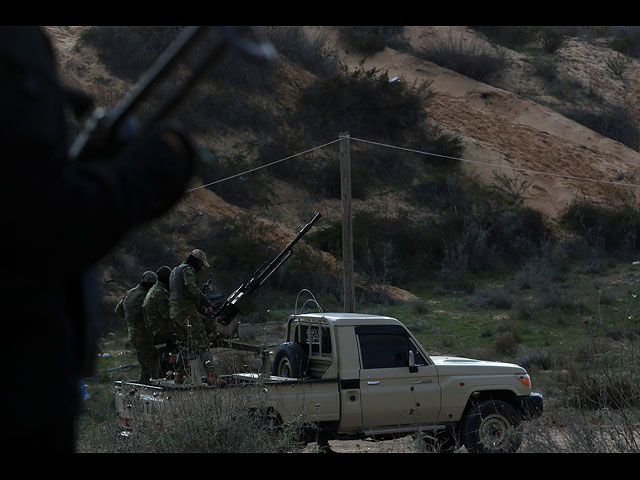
{"type": "Point", "coordinates": [239, 301]}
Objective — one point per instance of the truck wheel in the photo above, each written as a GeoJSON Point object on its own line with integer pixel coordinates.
{"type": "Point", "coordinates": [290, 361]}
{"type": "Point", "coordinates": [491, 426]}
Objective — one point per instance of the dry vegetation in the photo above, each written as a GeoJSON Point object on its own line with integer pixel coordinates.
{"type": "Point", "coordinates": [501, 263]}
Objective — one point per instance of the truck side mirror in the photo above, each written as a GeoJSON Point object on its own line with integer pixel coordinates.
{"type": "Point", "coordinates": [412, 362]}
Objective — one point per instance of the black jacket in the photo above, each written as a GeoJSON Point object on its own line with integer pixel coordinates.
{"type": "Point", "coordinates": [59, 219]}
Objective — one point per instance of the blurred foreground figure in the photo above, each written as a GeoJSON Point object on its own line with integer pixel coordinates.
{"type": "Point", "coordinates": [59, 218]}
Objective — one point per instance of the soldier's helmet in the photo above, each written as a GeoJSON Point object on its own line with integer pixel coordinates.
{"type": "Point", "coordinates": [199, 254]}
{"type": "Point", "coordinates": [164, 272]}
{"type": "Point", "coordinates": [149, 277]}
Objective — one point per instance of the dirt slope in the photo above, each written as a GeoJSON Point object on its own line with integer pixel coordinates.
{"type": "Point", "coordinates": [508, 130]}
{"type": "Point", "coordinates": [498, 127]}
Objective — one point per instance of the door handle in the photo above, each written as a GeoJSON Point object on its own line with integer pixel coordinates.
{"type": "Point", "coordinates": [373, 382]}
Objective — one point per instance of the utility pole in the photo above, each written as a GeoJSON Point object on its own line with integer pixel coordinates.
{"type": "Point", "coordinates": [347, 226]}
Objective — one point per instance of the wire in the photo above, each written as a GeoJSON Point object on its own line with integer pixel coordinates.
{"type": "Point", "coordinates": [476, 162]}
{"type": "Point", "coordinates": [518, 169]}
{"type": "Point", "coordinates": [263, 166]}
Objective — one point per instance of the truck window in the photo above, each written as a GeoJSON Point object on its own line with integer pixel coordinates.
{"type": "Point", "coordinates": [320, 339]}
{"type": "Point", "coordinates": [386, 347]}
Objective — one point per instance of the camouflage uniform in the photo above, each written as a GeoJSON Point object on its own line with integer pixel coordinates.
{"type": "Point", "coordinates": [157, 321]}
{"type": "Point", "coordinates": [185, 301]}
{"type": "Point", "coordinates": [156, 313]}
{"type": "Point", "coordinates": [130, 308]}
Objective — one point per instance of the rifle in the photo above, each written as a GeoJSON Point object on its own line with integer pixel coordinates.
{"type": "Point", "coordinates": [238, 301]}
{"type": "Point", "coordinates": [107, 131]}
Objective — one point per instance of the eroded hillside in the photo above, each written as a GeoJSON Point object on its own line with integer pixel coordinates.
{"type": "Point", "coordinates": [560, 159]}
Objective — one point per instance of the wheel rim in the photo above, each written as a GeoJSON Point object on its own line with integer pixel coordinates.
{"type": "Point", "coordinates": [285, 369]}
{"type": "Point", "coordinates": [496, 432]}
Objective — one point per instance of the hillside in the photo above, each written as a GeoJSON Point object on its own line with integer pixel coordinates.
{"type": "Point", "coordinates": [511, 124]}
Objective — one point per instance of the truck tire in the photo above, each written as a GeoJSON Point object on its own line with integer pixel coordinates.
{"type": "Point", "coordinates": [491, 426]}
{"type": "Point", "coordinates": [290, 361]}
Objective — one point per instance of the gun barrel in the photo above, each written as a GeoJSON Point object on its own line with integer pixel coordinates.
{"type": "Point", "coordinates": [285, 253]}
{"type": "Point", "coordinates": [229, 308]}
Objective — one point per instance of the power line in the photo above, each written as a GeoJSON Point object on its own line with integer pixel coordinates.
{"type": "Point", "coordinates": [421, 152]}
{"type": "Point", "coordinates": [518, 169]}
{"type": "Point", "coordinates": [263, 166]}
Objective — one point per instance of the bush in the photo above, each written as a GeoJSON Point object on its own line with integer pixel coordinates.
{"type": "Point", "coordinates": [494, 298]}
{"type": "Point", "coordinates": [364, 103]}
{"type": "Point", "coordinates": [551, 39]}
{"type": "Point", "coordinates": [369, 39]}
{"type": "Point", "coordinates": [512, 37]}
{"type": "Point", "coordinates": [311, 54]}
{"type": "Point", "coordinates": [615, 229]}
{"type": "Point", "coordinates": [474, 59]}
{"type": "Point", "coordinates": [245, 190]}
{"type": "Point", "coordinates": [472, 237]}
{"type": "Point", "coordinates": [529, 357]}
{"type": "Point", "coordinates": [627, 42]}
{"type": "Point", "coordinates": [215, 425]}
{"type": "Point", "coordinates": [240, 249]}
{"type": "Point", "coordinates": [545, 68]}
{"type": "Point", "coordinates": [615, 122]}
{"type": "Point", "coordinates": [393, 249]}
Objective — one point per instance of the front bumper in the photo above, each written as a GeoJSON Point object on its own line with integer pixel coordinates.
{"type": "Point", "coordinates": [531, 406]}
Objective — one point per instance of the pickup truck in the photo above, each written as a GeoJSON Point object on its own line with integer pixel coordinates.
{"type": "Point", "coordinates": [356, 376]}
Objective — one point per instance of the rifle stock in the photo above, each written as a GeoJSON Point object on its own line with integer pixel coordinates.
{"type": "Point", "coordinates": [238, 301]}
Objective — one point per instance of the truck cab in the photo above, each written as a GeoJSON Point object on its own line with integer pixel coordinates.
{"type": "Point", "coordinates": [389, 385]}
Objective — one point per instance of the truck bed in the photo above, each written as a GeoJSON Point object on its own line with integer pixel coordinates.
{"type": "Point", "coordinates": [316, 399]}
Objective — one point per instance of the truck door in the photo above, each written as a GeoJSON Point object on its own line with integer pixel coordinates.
{"type": "Point", "coordinates": [391, 393]}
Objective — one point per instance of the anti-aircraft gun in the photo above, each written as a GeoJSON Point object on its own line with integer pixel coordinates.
{"type": "Point", "coordinates": [239, 302]}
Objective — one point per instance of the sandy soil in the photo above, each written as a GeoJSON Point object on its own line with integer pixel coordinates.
{"type": "Point", "coordinates": [501, 130]}
{"type": "Point", "coordinates": [506, 130]}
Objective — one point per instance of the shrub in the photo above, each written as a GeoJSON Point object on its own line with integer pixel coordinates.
{"type": "Point", "coordinates": [509, 36]}
{"type": "Point", "coordinates": [473, 59]}
{"type": "Point", "coordinates": [311, 54]}
{"type": "Point", "coordinates": [505, 342]}
{"type": "Point", "coordinates": [615, 122]}
{"type": "Point", "coordinates": [627, 42]}
{"type": "Point", "coordinates": [245, 190]}
{"type": "Point", "coordinates": [529, 357]}
{"type": "Point", "coordinates": [613, 228]}
{"type": "Point", "coordinates": [369, 39]}
{"type": "Point", "coordinates": [494, 298]}
{"type": "Point", "coordinates": [240, 249]}
{"type": "Point", "coordinates": [551, 39]}
{"type": "Point", "coordinates": [545, 68]}
{"type": "Point", "coordinates": [363, 102]}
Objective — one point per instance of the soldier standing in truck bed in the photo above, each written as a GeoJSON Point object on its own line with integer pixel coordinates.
{"type": "Point", "coordinates": [130, 308]}
{"type": "Point", "coordinates": [156, 318]}
{"type": "Point", "coordinates": [185, 304]}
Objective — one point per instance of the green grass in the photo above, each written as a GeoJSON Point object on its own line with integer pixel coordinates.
{"type": "Point", "coordinates": [573, 334]}
{"type": "Point", "coordinates": [558, 315]}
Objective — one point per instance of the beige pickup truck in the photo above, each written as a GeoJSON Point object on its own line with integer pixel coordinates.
{"type": "Point", "coordinates": [366, 376]}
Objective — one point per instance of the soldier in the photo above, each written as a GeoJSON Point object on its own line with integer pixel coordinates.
{"type": "Point", "coordinates": [185, 304]}
{"type": "Point", "coordinates": [130, 308]}
{"type": "Point", "coordinates": [83, 209]}
{"type": "Point", "coordinates": [155, 309]}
